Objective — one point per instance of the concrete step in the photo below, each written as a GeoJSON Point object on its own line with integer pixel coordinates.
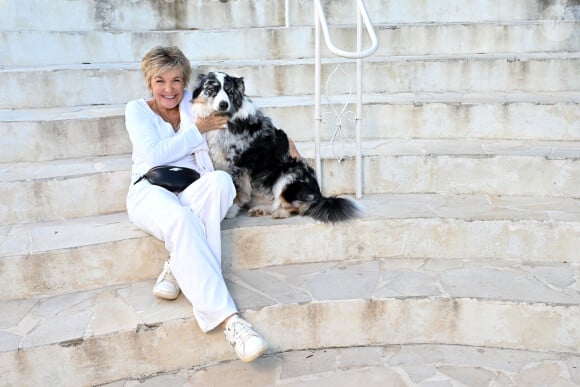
{"type": "Point", "coordinates": [77, 47]}
{"type": "Point", "coordinates": [120, 332]}
{"type": "Point", "coordinates": [63, 133]}
{"type": "Point", "coordinates": [43, 191]}
{"type": "Point", "coordinates": [89, 131]}
{"type": "Point", "coordinates": [52, 258]}
{"type": "Point", "coordinates": [57, 190]}
{"type": "Point", "coordinates": [457, 167]}
{"type": "Point", "coordinates": [119, 15]}
{"type": "Point", "coordinates": [482, 73]}
{"type": "Point", "coordinates": [379, 366]}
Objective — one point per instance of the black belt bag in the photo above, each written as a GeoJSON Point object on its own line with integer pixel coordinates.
{"type": "Point", "coordinates": [174, 179]}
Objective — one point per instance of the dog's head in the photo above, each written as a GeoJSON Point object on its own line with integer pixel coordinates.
{"type": "Point", "coordinates": [218, 92]}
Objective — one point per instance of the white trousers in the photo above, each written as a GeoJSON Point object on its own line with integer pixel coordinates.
{"type": "Point", "coordinates": [189, 225]}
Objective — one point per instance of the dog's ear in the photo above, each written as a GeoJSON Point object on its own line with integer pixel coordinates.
{"type": "Point", "coordinates": [240, 85]}
{"type": "Point", "coordinates": [198, 86]}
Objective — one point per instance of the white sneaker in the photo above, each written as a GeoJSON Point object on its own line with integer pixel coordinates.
{"type": "Point", "coordinates": [166, 286]}
{"type": "Point", "coordinates": [246, 342]}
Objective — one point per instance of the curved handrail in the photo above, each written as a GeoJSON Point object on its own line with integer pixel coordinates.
{"type": "Point", "coordinates": [369, 27]}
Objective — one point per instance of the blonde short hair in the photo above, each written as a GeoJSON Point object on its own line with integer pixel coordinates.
{"type": "Point", "coordinates": [162, 59]}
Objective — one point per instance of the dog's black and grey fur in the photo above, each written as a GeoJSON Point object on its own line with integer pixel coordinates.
{"type": "Point", "coordinates": [267, 179]}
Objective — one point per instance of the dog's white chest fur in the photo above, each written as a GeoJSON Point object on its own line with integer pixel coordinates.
{"type": "Point", "coordinates": [225, 145]}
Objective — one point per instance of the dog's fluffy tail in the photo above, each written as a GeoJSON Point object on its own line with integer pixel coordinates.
{"type": "Point", "coordinates": [333, 209]}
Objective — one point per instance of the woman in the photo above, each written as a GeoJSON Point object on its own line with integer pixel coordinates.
{"type": "Point", "coordinates": [163, 131]}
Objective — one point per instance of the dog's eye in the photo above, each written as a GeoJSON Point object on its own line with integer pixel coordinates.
{"type": "Point", "coordinates": [228, 87]}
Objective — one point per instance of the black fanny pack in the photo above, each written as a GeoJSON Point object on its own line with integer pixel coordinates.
{"type": "Point", "coordinates": [174, 179]}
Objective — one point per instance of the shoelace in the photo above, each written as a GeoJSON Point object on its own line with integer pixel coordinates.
{"type": "Point", "coordinates": [241, 330]}
{"type": "Point", "coordinates": [162, 276]}
{"type": "Point", "coordinates": [166, 275]}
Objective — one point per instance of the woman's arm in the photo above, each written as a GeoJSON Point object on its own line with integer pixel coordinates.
{"type": "Point", "coordinates": [150, 145]}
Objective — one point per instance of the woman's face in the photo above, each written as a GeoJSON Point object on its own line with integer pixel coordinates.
{"type": "Point", "coordinates": [167, 89]}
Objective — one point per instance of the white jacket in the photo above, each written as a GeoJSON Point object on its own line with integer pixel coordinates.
{"type": "Point", "coordinates": [155, 142]}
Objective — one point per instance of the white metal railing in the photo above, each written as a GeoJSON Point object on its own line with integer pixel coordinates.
{"type": "Point", "coordinates": [321, 23]}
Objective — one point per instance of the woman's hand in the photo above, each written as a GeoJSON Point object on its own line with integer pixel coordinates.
{"type": "Point", "coordinates": [293, 151]}
{"type": "Point", "coordinates": [212, 122]}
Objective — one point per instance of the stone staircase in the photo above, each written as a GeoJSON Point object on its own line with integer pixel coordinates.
{"type": "Point", "coordinates": [464, 270]}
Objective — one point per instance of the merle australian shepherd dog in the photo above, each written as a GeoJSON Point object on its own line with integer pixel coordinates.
{"type": "Point", "coordinates": [256, 154]}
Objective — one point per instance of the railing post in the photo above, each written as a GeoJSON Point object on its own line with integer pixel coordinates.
{"type": "Point", "coordinates": [317, 96]}
{"type": "Point", "coordinates": [359, 170]}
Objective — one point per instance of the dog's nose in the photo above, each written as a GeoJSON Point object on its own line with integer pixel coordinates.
{"type": "Point", "coordinates": [224, 105]}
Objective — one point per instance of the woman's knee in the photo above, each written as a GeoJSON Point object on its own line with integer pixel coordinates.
{"type": "Point", "coordinates": [153, 208]}
{"type": "Point", "coordinates": [223, 178]}
{"type": "Point", "coordinates": [222, 181]}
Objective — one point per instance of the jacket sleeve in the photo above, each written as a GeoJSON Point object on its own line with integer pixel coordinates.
{"type": "Point", "coordinates": [150, 145]}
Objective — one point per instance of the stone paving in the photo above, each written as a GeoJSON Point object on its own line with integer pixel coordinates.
{"type": "Point", "coordinates": [93, 252]}
{"type": "Point", "coordinates": [32, 322]}
{"type": "Point", "coordinates": [407, 278]}
{"type": "Point", "coordinates": [406, 365]}
{"type": "Point", "coordinates": [486, 304]}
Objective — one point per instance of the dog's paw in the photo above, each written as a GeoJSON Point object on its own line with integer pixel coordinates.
{"type": "Point", "coordinates": [280, 213]}
{"type": "Point", "coordinates": [258, 211]}
{"type": "Point", "coordinates": [232, 211]}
